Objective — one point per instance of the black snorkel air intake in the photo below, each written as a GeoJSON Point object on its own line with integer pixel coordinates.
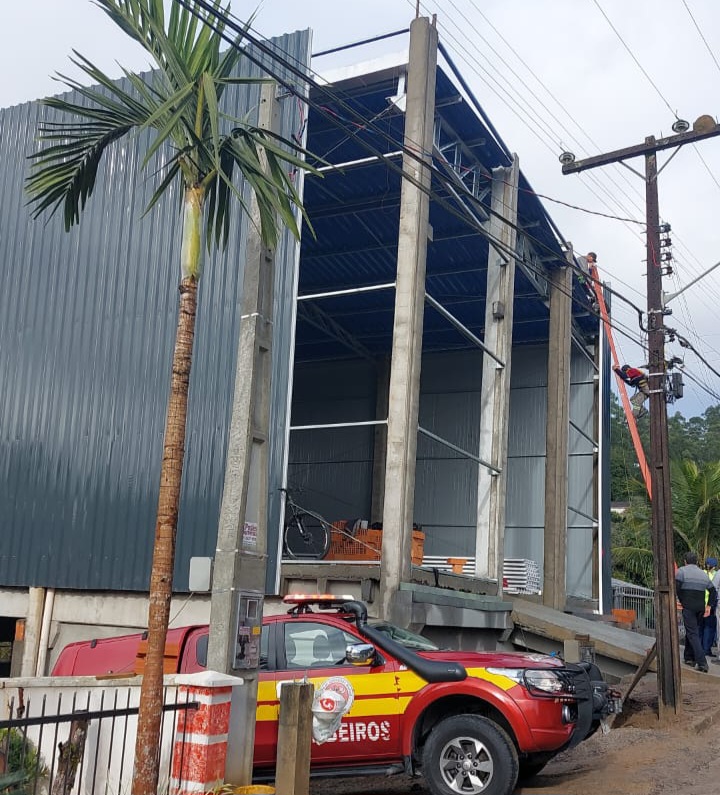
{"type": "Point", "coordinates": [429, 670]}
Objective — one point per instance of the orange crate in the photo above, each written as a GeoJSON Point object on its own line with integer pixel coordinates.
{"type": "Point", "coordinates": [418, 547]}
{"type": "Point", "coordinates": [364, 545]}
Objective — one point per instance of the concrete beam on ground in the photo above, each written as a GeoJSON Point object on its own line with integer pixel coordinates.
{"type": "Point", "coordinates": [610, 642]}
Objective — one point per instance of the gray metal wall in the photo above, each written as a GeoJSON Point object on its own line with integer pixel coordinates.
{"type": "Point", "coordinates": [582, 508]}
{"type": "Point", "coordinates": [446, 485]}
{"type": "Point", "coordinates": [87, 324]}
{"type": "Point", "coordinates": [330, 470]}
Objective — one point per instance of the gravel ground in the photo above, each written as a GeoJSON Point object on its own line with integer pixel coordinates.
{"type": "Point", "coordinates": [637, 756]}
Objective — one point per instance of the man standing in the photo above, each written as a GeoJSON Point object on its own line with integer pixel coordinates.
{"type": "Point", "coordinates": [691, 583]}
{"type": "Point", "coordinates": [586, 277]}
{"type": "Point", "coordinates": [709, 635]}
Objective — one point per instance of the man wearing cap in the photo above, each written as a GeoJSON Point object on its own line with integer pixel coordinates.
{"type": "Point", "coordinates": [709, 633]}
{"type": "Point", "coordinates": [691, 584]}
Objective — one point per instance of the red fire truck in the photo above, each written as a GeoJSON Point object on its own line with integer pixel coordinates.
{"type": "Point", "coordinates": [469, 722]}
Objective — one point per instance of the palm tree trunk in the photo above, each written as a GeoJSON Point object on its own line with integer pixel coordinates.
{"type": "Point", "coordinates": [147, 746]}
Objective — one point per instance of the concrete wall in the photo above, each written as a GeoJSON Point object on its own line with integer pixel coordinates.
{"type": "Point", "coordinates": [77, 616]}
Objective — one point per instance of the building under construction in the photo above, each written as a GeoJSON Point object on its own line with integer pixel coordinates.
{"type": "Point", "coordinates": [437, 371]}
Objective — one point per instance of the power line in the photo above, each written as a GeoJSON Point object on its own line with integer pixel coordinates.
{"type": "Point", "coordinates": [632, 55]}
{"type": "Point", "coordinates": [599, 184]}
{"type": "Point", "coordinates": [704, 40]}
{"type": "Point", "coordinates": [463, 215]}
{"type": "Point", "coordinates": [549, 132]}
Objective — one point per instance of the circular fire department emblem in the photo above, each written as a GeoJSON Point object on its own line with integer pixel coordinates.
{"type": "Point", "coordinates": [339, 686]}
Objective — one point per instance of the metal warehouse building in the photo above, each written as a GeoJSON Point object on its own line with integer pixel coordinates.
{"type": "Point", "coordinates": [434, 363]}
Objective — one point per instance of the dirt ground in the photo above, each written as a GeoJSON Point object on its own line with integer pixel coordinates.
{"type": "Point", "coordinates": [636, 757]}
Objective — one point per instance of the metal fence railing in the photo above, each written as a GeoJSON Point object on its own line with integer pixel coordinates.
{"type": "Point", "coordinates": [84, 742]}
{"type": "Point", "coordinates": [627, 596]}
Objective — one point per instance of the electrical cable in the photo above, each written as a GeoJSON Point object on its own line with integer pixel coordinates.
{"type": "Point", "coordinates": [702, 386]}
{"type": "Point", "coordinates": [704, 40]}
{"type": "Point", "coordinates": [637, 62]}
{"type": "Point", "coordinates": [472, 56]}
{"type": "Point", "coordinates": [511, 253]}
{"type": "Point", "coordinates": [634, 58]}
{"type": "Point", "coordinates": [497, 244]}
{"type": "Point", "coordinates": [534, 73]}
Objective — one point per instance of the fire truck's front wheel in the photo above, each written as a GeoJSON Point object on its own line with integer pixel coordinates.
{"type": "Point", "coordinates": [470, 755]}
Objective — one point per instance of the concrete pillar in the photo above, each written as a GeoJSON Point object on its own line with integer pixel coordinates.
{"type": "Point", "coordinates": [200, 745]}
{"type": "Point", "coordinates": [495, 389]}
{"type": "Point", "coordinates": [380, 441]}
{"type": "Point", "coordinates": [241, 553]}
{"type": "Point", "coordinates": [597, 483]}
{"type": "Point", "coordinates": [33, 631]}
{"type": "Point", "coordinates": [557, 433]}
{"type": "Point", "coordinates": [409, 306]}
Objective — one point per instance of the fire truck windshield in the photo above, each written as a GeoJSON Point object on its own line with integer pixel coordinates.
{"type": "Point", "coordinates": [404, 637]}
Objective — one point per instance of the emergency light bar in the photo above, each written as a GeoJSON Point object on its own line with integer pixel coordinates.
{"type": "Point", "coordinates": [316, 598]}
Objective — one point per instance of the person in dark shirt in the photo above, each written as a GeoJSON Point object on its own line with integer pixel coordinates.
{"type": "Point", "coordinates": [691, 583]}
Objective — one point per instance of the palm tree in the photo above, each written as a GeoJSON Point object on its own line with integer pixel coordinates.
{"type": "Point", "coordinates": [696, 506]}
{"type": "Point", "coordinates": [632, 556]}
{"type": "Point", "coordinates": [180, 103]}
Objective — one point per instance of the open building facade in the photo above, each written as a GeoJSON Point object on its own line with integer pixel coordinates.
{"type": "Point", "coordinates": [434, 363]}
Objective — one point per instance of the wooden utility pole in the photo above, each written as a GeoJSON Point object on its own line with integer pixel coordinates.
{"type": "Point", "coordinates": [668, 653]}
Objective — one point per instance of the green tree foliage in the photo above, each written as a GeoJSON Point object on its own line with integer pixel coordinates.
{"type": "Point", "coordinates": [625, 478]}
{"type": "Point", "coordinates": [632, 556]}
{"type": "Point", "coordinates": [695, 482]}
{"type": "Point", "coordinates": [693, 439]}
{"type": "Point", "coordinates": [210, 155]}
{"type": "Point", "coordinates": [696, 505]}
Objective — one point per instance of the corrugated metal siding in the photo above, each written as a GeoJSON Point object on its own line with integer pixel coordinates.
{"type": "Point", "coordinates": [446, 487]}
{"type": "Point", "coordinates": [335, 466]}
{"type": "Point", "coordinates": [87, 324]}
{"type": "Point", "coordinates": [331, 469]}
{"type": "Point", "coordinates": [525, 499]}
{"type": "Point", "coordinates": [581, 464]}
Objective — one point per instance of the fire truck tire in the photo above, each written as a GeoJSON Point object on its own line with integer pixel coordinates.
{"type": "Point", "coordinates": [470, 755]}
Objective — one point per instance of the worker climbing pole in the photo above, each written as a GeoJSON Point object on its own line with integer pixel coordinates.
{"type": "Point", "coordinates": [622, 388]}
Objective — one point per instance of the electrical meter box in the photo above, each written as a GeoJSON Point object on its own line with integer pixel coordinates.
{"type": "Point", "coordinates": [248, 626]}
{"type": "Point", "coordinates": [676, 384]}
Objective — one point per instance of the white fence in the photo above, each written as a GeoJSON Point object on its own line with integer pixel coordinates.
{"type": "Point", "coordinates": [42, 710]}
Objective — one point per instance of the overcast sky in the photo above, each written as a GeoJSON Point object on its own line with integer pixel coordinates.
{"type": "Point", "coordinates": [552, 75]}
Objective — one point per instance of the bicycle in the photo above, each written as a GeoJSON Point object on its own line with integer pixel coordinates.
{"type": "Point", "coordinates": [307, 534]}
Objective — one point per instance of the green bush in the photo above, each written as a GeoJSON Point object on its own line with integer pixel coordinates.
{"type": "Point", "coordinates": [20, 754]}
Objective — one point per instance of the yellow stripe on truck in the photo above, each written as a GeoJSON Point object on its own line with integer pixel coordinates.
{"type": "Point", "coordinates": [410, 683]}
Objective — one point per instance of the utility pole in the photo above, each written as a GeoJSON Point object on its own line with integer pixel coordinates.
{"type": "Point", "coordinates": [668, 653]}
{"type": "Point", "coordinates": [240, 565]}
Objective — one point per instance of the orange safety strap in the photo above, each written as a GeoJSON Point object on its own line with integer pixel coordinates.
{"type": "Point", "coordinates": [632, 424]}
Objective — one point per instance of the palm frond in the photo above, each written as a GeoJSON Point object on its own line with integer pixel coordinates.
{"type": "Point", "coordinates": [65, 175]}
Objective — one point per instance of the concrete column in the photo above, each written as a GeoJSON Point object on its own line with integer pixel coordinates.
{"type": "Point", "coordinates": [380, 441]}
{"type": "Point", "coordinates": [597, 483]}
{"type": "Point", "coordinates": [33, 631]}
{"type": "Point", "coordinates": [495, 389]}
{"type": "Point", "coordinates": [409, 306]}
{"type": "Point", "coordinates": [241, 554]}
{"type": "Point", "coordinates": [557, 433]}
